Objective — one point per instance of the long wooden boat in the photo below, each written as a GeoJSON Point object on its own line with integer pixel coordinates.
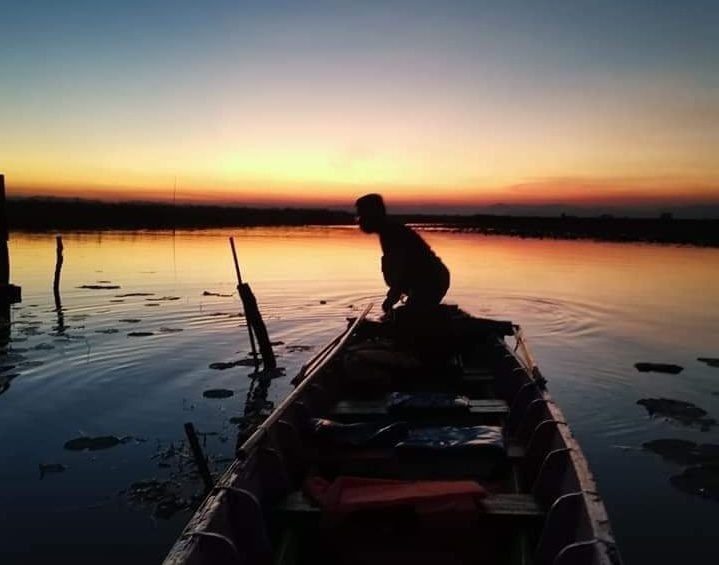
{"type": "Point", "coordinates": [428, 439]}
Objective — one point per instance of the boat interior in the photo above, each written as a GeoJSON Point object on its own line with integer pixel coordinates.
{"type": "Point", "coordinates": [429, 439]}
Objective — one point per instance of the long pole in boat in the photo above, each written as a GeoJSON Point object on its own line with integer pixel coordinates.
{"type": "Point", "coordinates": [239, 286]}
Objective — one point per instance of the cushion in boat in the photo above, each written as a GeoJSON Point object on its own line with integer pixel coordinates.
{"type": "Point", "coordinates": [360, 434]}
{"type": "Point", "coordinates": [487, 438]}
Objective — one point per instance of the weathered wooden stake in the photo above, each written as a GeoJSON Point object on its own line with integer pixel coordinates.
{"type": "Point", "coordinates": [9, 293]}
{"type": "Point", "coordinates": [200, 460]}
{"type": "Point", "coordinates": [254, 320]}
{"type": "Point", "coordinates": [59, 259]}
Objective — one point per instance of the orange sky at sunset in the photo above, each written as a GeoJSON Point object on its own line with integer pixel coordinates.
{"type": "Point", "coordinates": [466, 107]}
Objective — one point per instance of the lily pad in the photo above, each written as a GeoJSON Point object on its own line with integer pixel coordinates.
{"type": "Point", "coordinates": [218, 393]}
{"type": "Point", "coordinates": [87, 443]}
{"type": "Point", "coordinates": [222, 365]}
{"type": "Point", "coordinates": [701, 480]}
{"type": "Point", "coordinates": [711, 361]}
{"type": "Point", "coordinates": [659, 368]}
{"type": "Point", "coordinates": [209, 293]}
{"type": "Point", "coordinates": [130, 321]}
{"type": "Point", "coordinates": [129, 294]}
{"type": "Point", "coordinates": [684, 451]}
{"type": "Point", "coordinates": [164, 330]}
{"type": "Point", "coordinates": [683, 412]}
{"type": "Point", "coordinates": [100, 286]}
{"type": "Point", "coordinates": [298, 348]}
{"type": "Point", "coordinates": [48, 468]}
{"type": "Point", "coordinates": [152, 304]}
{"type": "Point", "coordinates": [163, 299]}
{"type": "Point", "coordinates": [140, 334]}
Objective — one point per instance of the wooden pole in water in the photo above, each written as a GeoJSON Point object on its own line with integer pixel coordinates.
{"type": "Point", "coordinates": [4, 255]}
{"type": "Point", "coordinates": [9, 293]}
{"type": "Point", "coordinates": [199, 456]}
{"type": "Point", "coordinates": [239, 286]}
{"type": "Point", "coordinates": [59, 259]}
{"type": "Point", "coordinates": [254, 318]}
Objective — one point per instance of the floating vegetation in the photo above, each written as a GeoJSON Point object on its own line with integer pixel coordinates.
{"type": "Point", "coordinates": [659, 368]}
{"type": "Point", "coordinates": [683, 412]}
{"type": "Point", "coordinates": [129, 294]}
{"type": "Point", "coordinates": [208, 293]}
{"type": "Point", "coordinates": [221, 366]}
{"type": "Point", "coordinates": [323, 302]}
{"type": "Point", "coordinates": [87, 443]}
{"type": "Point", "coordinates": [163, 299]}
{"type": "Point", "coordinates": [165, 330]}
{"type": "Point", "coordinates": [117, 300]}
{"type": "Point", "coordinates": [701, 480]}
{"type": "Point", "coordinates": [218, 393]}
{"type": "Point", "coordinates": [298, 348]}
{"type": "Point", "coordinates": [100, 286]}
{"type": "Point", "coordinates": [140, 334]}
{"type": "Point", "coordinates": [151, 305]}
{"type": "Point", "coordinates": [711, 361]}
{"type": "Point", "coordinates": [683, 451]}
{"type": "Point", "coordinates": [166, 496]}
{"type": "Point", "coordinates": [130, 321]}
{"type": "Point", "coordinates": [107, 331]}
{"type": "Point", "coordinates": [48, 468]}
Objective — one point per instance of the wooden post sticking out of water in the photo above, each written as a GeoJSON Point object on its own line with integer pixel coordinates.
{"type": "Point", "coordinates": [254, 320]}
{"type": "Point", "coordinates": [9, 293]}
{"type": "Point", "coordinates": [200, 460]}
{"type": "Point", "coordinates": [58, 270]}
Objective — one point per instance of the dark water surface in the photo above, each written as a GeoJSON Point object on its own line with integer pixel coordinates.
{"type": "Point", "coordinates": [591, 310]}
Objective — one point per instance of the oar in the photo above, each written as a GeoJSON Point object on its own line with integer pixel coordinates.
{"type": "Point", "coordinates": [239, 285]}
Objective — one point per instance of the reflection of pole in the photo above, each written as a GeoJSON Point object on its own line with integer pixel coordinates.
{"type": "Point", "coordinates": [200, 460]}
{"type": "Point", "coordinates": [59, 259]}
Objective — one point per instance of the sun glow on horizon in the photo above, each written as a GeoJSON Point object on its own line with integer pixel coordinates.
{"type": "Point", "coordinates": [426, 105]}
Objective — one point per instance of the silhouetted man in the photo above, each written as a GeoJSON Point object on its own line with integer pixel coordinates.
{"type": "Point", "coordinates": [409, 265]}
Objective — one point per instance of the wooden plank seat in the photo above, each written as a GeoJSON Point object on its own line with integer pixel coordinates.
{"type": "Point", "coordinates": [523, 506]}
{"type": "Point", "coordinates": [378, 408]}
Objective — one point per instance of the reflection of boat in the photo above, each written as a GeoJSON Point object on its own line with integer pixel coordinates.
{"type": "Point", "coordinates": [423, 440]}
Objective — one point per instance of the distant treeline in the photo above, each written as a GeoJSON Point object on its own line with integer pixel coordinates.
{"type": "Point", "coordinates": [33, 214]}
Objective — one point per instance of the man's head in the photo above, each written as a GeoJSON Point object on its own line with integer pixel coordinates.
{"type": "Point", "coordinates": [371, 212]}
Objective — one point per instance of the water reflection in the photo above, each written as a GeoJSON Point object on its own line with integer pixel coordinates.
{"type": "Point", "coordinates": [590, 310]}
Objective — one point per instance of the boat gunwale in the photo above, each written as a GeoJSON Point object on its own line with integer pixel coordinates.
{"type": "Point", "coordinates": [591, 498]}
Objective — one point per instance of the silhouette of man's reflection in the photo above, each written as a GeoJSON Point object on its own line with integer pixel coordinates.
{"type": "Point", "coordinates": [409, 265]}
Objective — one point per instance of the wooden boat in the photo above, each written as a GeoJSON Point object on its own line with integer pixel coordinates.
{"type": "Point", "coordinates": [353, 466]}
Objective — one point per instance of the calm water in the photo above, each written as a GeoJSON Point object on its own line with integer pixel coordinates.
{"type": "Point", "coordinates": [591, 310]}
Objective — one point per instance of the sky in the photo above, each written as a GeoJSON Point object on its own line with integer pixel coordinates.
{"type": "Point", "coordinates": [434, 104]}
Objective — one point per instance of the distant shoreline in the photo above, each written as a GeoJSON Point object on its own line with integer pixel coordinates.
{"type": "Point", "coordinates": [57, 215]}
